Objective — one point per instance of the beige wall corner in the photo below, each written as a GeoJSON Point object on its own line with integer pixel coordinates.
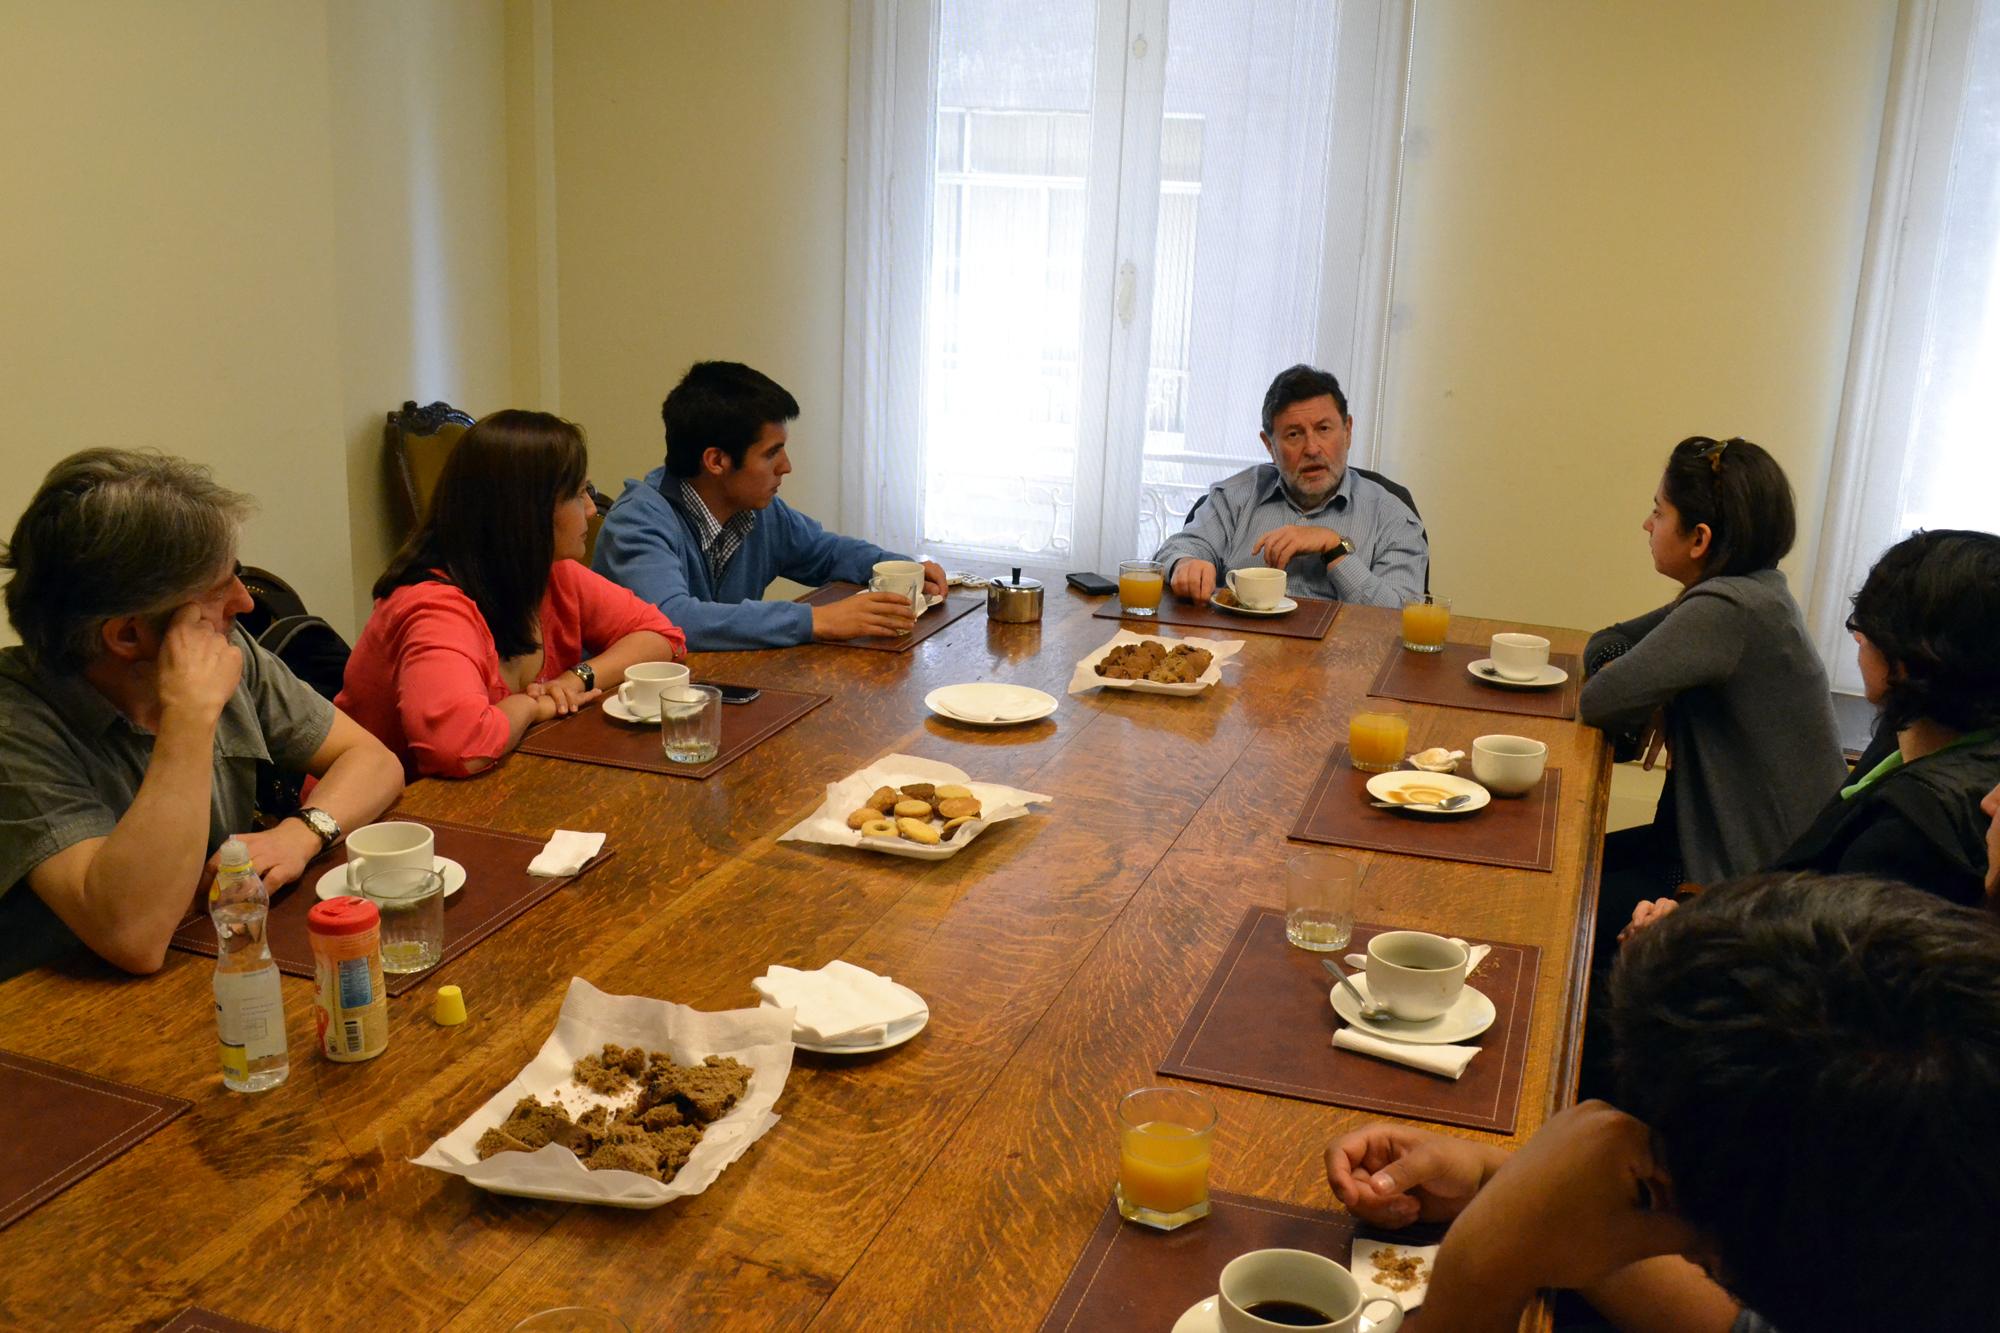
{"type": "Point", "coordinates": [1622, 224]}
{"type": "Point", "coordinates": [700, 155]}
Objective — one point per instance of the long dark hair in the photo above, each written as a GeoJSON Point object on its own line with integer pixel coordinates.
{"type": "Point", "coordinates": [490, 527]}
{"type": "Point", "coordinates": [1739, 490]}
{"type": "Point", "coordinates": [1931, 605]}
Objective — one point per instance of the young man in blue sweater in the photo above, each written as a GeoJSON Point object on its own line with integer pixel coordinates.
{"type": "Point", "coordinates": [703, 536]}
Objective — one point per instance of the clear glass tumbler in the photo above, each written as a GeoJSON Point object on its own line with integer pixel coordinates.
{"type": "Point", "coordinates": [1164, 1136]}
{"type": "Point", "coordinates": [691, 723]}
{"type": "Point", "coordinates": [411, 902]}
{"type": "Point", "coordinates": [1426, 621]}
{"type": "Point", "coordinates": [1319, 900]}
{"type": "Point", "coordinates": [1140, 584]}
{"type": "Point", "coordinates": [573, 1319]}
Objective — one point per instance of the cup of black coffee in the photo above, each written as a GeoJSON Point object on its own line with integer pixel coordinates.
{"type": "Point", "coordinates": [1269, 1289]}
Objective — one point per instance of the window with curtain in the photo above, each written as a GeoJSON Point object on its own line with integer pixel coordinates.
{"type": "Point", "coordinates": [1918, 445]}
{"type": "Point", "coordinates": [1082, 238]}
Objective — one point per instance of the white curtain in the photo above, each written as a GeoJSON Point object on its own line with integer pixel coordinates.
{"type": "Point", "coordinates": [1082, 238]}
{"type": "Point", "coordinates": [1919, 435]}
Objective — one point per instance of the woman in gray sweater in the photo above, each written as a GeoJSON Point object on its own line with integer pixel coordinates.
{"type": "Point", "coordinates": [1728, 669]}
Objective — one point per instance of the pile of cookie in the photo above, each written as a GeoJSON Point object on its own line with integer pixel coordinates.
{"type": "Point", "coordinates": [653, 1136]}
{"type": "Point", "coordinates": [1149, 659]}
{"type": "Point", "coordinates": [921, 812]}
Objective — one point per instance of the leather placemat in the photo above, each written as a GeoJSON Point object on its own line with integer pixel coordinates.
{"type": "Point", "coordinates": [194, 1319]}
{"type": "Point", "coordinates": [595, 737]}
{"type": "Point", "coordinates": [1132, 1277]}
{"type": "Point", "coordinates": [1443, 678]}
{"type": "Point", "coordinates": [954, 605]}
{"type": "Point", "coordinates": [1516, 831]}
{"type": "Point", "coordinates": [1264, 1022]}
{"type": "Point", "coordinates": [60, 1125]}
{"type": "Point", "coordinates": [1311, 621]}
{"type": "Point", "coordinates": [497, 889]}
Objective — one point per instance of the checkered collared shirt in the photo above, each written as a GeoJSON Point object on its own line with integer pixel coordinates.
{"type": "Point", "coordinates": [719, 541]}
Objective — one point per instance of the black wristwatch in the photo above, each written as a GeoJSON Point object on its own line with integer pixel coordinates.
{"type": "Point", "coordinates": [1346, 548]}
{"type": "Point", "coordinates": [322, 823]}
{"type": "Point", "coordinates": [587, 674]}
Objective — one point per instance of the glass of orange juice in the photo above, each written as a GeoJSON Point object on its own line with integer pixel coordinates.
{"type": "Point", "coordinates": [1140, 583]}
{"type": "Point", "coordinates": [1377, 741]}
{"type": "Point", "coordinates": [1163, 1145]}
{"type": "Point", "coordinates": [1425, 621]}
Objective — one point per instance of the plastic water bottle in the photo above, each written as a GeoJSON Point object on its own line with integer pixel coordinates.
{"type": "Point", "coordinates": [249, 1008]}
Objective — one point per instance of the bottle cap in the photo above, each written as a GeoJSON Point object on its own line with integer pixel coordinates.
{"type": "Point", "coordinates": [449, 1011]}
{"type": "Point", "coordinates": [233, 856]}
{"type": "Point", "coordinates": [345, 915]}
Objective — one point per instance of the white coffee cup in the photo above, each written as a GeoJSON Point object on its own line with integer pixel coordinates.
{"type": "Point", "coordinates": [1300, 1278]}
{"type": "Point", "coordinates": [395, 845]}
{"type": "Point", "coordinates": [1257, 588]}
{"type": "Point", "coordinates": [1417, 974]}
{"type": "Point", "coordinates": [645, 680]}
{"type": "Point", "coordinates": [1520, 656]}
{"type": "Point", "coordinates": [1508, 765]}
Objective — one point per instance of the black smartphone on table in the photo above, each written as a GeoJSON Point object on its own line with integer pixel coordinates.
{"type": "Point", "coordinates": [738, 694]}
{"type": "Point", "coordinates": [1096, 585]}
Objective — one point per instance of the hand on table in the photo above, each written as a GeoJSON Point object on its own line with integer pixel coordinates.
{"type": "Point", "coordinates": [566, 691]}
{"type": "Point", "coordinates": [1280, 546]}
{"type": "Point", "coordinates": [198, 669]}
{"type": "Point", "coordinates": [1646, 914]}
{"type": "Point", "coordinates": [882, 614]}
{"type": "Point", "coordinates": [1194, 580]}
{"type": "Point", "coordinates": [1392, 1175]}
{"type": "Point", "coordinates": [934, 580]}
{"type": "Point", "coordinates": [278, 854]}
{"type": "Point", "coordinates": [1990, 803]}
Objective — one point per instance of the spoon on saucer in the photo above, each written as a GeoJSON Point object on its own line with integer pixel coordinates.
{"type": "Point", "coordinates": [1370, 1009]}
{"type": "Point", "coordinates": [1448, 803]}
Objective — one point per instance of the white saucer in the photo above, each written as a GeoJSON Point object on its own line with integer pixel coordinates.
{"type": "Point", "coordinates": [1382, 784]}
{"type": "Point", "coordinates": [932, 599]}
{"type": "Point", "coordinates": [333, 883]}
{"type": "Point", "coordinates": [617, 707]}
{"type": "Point", "coordinates": [898, 1034]}
{"type": "Point", "coordinates": [1201, 1317]}
{"type": "Point", "coordinates": [1284, 607]}
{"type": "Point", "coordinates": [1550, 676]}
{"type": "Point", "coordinates": [1471, 1014]}
{"type": "Point", "coordinates": [986, 704]}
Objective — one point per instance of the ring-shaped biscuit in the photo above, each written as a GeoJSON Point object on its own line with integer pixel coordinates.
{"type": "Point", "coordinates": [879, 828]}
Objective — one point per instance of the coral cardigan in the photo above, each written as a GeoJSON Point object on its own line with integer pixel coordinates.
{"type": "Point", "coordinates": [425, 677]}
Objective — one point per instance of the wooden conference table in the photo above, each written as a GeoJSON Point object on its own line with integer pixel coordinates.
{"type": "Point", "coordinates": [947, 1184]}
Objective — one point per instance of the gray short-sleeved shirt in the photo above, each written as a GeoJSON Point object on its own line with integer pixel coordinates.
{"type": "Point", "coordinates": [71, 763]}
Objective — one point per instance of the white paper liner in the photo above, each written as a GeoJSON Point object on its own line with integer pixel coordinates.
{"type": "Point", "coordinates": [760, 1038]}
{"type": "Point", "coordinates": [1363, 1268]}
{"type": "Point", "coordinates": [828, 824]}
{"type": "Point", "coordinates": [1086, 677]}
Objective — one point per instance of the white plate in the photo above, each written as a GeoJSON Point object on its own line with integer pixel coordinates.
{"type": "Point", "coordinates": [1284, 607]}
{"type": "Point", "coordinates": [898, 1034]}
{"type": "Point", "coordinates": [1550, 676]}
{"type": "Point", "coordinates": [980, 704]}
{"type": "Point", "coordinates": [1471, 1014]}
{"type": "Point", "coordinates": [1382, 784]}
{"type": "Point", "coordinates": [923, 851]}
{"type": "Point", "coordinates": [616, 707]}
{"type": "Point", "coordinates": [1192, 687]}
{"type": "Point", "coordinates": [333, 883]}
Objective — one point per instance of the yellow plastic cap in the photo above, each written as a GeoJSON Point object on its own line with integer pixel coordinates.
{"type": "Point", "coordinates": [449, 1011]}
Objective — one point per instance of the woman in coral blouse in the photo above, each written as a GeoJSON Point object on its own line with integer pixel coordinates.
{"type": "Point", "coordinates": [487, 622]}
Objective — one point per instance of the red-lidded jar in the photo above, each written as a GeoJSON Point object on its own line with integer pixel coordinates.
{"type": "Point", "coordinates": [351, 1009]}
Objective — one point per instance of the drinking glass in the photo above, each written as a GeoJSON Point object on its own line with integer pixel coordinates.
{"type": "Point", "coordinates": [411, 902]}
{"type": "Point", "coordinates": [1376, 741]}
{"type": "Point", "coordinates": [1163, 1148]}
{"type": "Point", "coordinates": [1140, 583]}
{"type": "Point", "coordinates": [1426, 620]}
{"type": "Point", "coordinates": [1319, 900]}
{"type": "Point", "coordinates": [573, 1319]}
{"type": "Point", "coordinates": [903, 586]}
{"type": "Point", "coordinates": [691, 723]}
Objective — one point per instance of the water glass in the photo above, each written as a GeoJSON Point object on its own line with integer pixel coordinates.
{"type": "Point", "coordinates": [411, 902]}
{"type": "Point", "coordinates": [1319, 900]}
{"type": "Point", "coordinates": [691, 723]}
{"type": "Point", "coordinates": [1426, 621]}
{"type": "Point", "coordinates": [1164, 1135]}
{"type": "Point", "coordinates": [573, 1319]}
{"type": "Point", "coordinates": [902, 585]}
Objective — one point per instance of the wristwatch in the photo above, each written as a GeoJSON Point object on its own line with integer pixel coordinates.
{"type": "Point", "coordinates": [322, 823]}
{"type": "Point", "coordinates": [586, 673]}
{"type": "Point", "coordinates": [1346, 548]}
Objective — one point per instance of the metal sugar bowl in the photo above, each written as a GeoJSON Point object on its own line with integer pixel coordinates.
{"type": "Point", "coordinates": [1015, 601]}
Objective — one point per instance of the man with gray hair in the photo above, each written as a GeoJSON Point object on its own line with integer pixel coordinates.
{"type": "Point", "coordinates": [135, 713]}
